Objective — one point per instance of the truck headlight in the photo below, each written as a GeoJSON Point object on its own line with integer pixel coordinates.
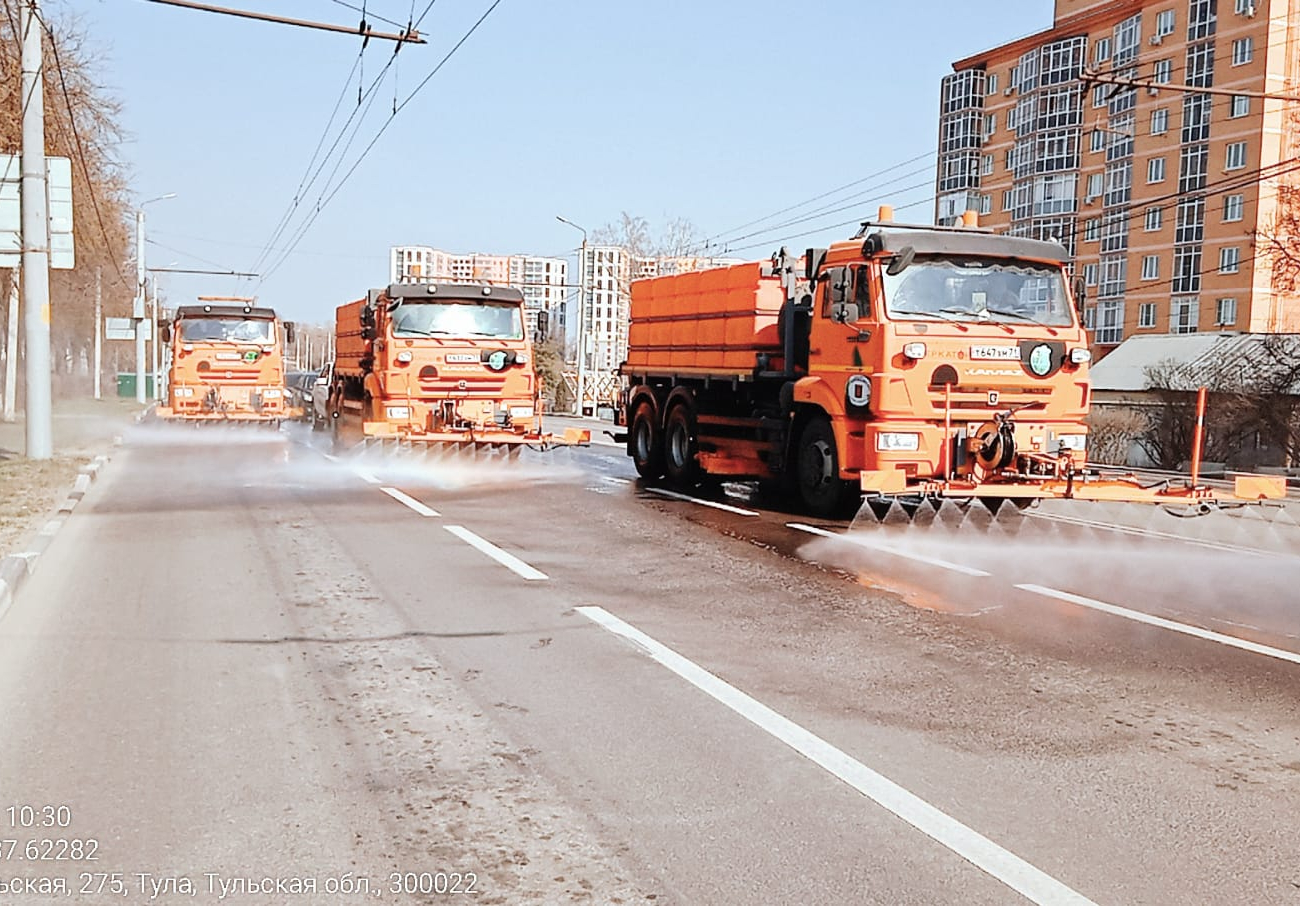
{"type": "Point", "coordinates": [399, 411]}
{"type": "Point", "coordinates": [1080, 355]}
{"type": "Point", "coordinates": [1076, 442]}
{"type": "Point", "coordinates": [914, 351]}
{"type": "Point", "coordinates": [404, 357]}
{"type": "Point", "coordinates": [894, 441]}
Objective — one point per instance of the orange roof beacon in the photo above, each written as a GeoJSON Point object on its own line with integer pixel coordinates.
{"type": "Point", "coordinates": [227, 363]}
{"type": "Point", "coordinates": [908, 363]}
{"type": "Point", "coordinates": [438, 363]}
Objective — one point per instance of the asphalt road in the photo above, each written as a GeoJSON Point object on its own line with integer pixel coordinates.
{"type": "Point", "coordinates": [246, 660]}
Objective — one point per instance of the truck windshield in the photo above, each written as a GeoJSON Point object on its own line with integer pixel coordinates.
{"type": "Point", "coordinates": [501, 321]}
{"type": "Point", "coordinates": [227, 330]}
{"type": "Point", "coordinates": [978, 290]}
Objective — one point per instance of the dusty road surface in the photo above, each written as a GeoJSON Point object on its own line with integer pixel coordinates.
{"type": "Point", "coordinates": [248, 668]}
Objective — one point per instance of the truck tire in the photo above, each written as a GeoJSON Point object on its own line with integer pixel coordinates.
{"type": "Point", "coordinates": [681, 447]}
{"type": "Point", "coordinates": [645, 443]}
{"type": "Point", "coordinates": [817, 472]}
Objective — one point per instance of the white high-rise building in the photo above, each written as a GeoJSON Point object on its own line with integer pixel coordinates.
{"type": "Point", "coordinates": [541, 280]}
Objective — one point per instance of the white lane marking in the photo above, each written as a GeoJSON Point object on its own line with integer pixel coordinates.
{"type": "Point", "coordinates": [717, 506]}
{"type": "Point", "coordinates": [889, 549]}
{"type": "Point", "coordinates": [510, 561]}
{"type": "Point", "coordinates": [330, 457]}
{"type": "Point", "coordinates": [409, 501]}
{"type": "Point", "coordinates": [612, 480]}
{"type": "Point", "coordinates": [1184, 628]}
{"type": "Point", "coordinates": [366, 475]}
{"type": "Point", "coordinates": [1002, 864]}
{"type": "Point", "coordinates": [1166, 536]}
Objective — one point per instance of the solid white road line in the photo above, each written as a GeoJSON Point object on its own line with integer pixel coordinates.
{"type": "Point", "coordinates": [888, 549]}
{"type": "Point", "coordinates": [366, 475]}
{"type": "Point", "coordinates": [409, 501]}
{"type": "Point", "coordinates": [717, 506]}
{"type": "Point", "coordinates": [1005, 866]}
{"type": "Point", "coordinates": [1162, 623]}
{"type": "Point", "coordinates": [510, 561]}
{"type": "Point", "coordinates": [612, 480]}
{"type": "Point", "coordinates": [1164, 536]}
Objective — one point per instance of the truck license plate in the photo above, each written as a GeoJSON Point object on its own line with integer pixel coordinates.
{"type": "Point", "coordinates": [996, 353]}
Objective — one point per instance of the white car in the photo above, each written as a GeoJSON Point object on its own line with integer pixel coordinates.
{"type": "Point", "coordinates": [320, 397]}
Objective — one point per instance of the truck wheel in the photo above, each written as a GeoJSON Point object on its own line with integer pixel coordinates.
{"type": "Point", "coordinates": [817, 472]}
{"type": "Point", "coordinates": [680, 447]}
{"type": "Point", "coordinates": [646, 444]}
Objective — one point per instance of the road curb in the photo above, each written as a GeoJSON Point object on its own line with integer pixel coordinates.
{"type": "Point", "coordinates": [15, 568]}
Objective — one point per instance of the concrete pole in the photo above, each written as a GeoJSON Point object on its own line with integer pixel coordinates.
{"type": "Point", "coordinates": [99, 332]}
{"type": "Point", "coordinates": [138, 308]}
{"type": "Point", "coordinates": [36, 241]}
{"type": "Point", "coordinates": [157, 382]}
{"type": "Point", "coordinates": [11, 352]}
{"type": "Point", "coordinates": [582, 327]}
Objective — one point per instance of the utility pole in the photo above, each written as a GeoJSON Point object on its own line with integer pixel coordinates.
{"type": "Point", "coordinates": [582, 315]}
{"type": "Point", "coordinates": [11, 351]}
{"type": "Point", "coordinates": [157, 384]}
{"type": "Point", "coordinates": [99, 331]}
{"type": "Point", "coordinates": [137, 311]}
{"type": "Point", "coordinates": [36, 240]}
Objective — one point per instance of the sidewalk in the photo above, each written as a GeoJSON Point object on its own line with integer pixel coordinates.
{"type": "Point", "coordinates": [30, 491]}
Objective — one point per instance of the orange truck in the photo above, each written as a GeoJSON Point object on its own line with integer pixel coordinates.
{"type": "Point", "coordinates": [909, 362]}
{"type": "Point", "coordinates": [226, 363]}
{"type": "Point", "coordinates": [443, 363]}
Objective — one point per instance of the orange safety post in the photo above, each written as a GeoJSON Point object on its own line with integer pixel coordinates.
{"type": "Point", "coordinates": [1199, 434]}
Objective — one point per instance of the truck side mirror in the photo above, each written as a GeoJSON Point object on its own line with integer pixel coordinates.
{"type": "Point", "coordinates": [165, 332]}
{"type": "Point", "coordinates": [901, 261]}
{"type": "Point", "coordinates": [543, 325]}
{"type": "Point", "coordinates": [288, 333]}
{"type": "Point", "coordinates": [1080, 294]}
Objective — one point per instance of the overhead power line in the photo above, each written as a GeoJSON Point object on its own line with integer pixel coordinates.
{"type": "Point", "coordinates": [404, 37]}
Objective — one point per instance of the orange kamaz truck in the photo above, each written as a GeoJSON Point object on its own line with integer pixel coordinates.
{"type": "Point", "coordinates": [439, 363]}
{"type": "Point", "coordinates": [226, 363]}
{"type": "Point", "coordinates": [909, 362]}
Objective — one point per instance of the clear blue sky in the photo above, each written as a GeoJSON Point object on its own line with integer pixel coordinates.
{"type": "Point", "coordinates": [718, 112]}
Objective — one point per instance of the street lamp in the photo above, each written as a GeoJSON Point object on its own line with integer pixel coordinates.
{"type": "Point", "coordinates": [582, 315]}
{"type": "Point", "coordinates": [137, 310]}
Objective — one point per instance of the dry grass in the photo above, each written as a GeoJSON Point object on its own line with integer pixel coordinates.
{"type": "Point", "coordinates": [29, 492]}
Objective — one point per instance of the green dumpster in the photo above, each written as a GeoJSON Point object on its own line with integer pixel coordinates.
{"type": "Point", "coordinates": [126, 385]}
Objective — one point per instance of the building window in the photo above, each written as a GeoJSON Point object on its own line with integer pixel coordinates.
{"type": "Point", "coordinates": [1090, 317]}
{"type": "Point", "coordinates": [1234, 208]}
{"type": "Point", "coordinates": [1165, 22]}
{"type": "Point", "coordinates": [1200, 65]}
{"type": "Point", "coordinates": [986, 204]}
{"type": "Point", "coordinates": [1183, 314]}
{"type": "Point", "coordinates": [1110, 322]}
{"type": "Point", "coordinates": [986, 165]}
{"type": "Point", "coordinates": [1187, 269]}
{"type": "Point", "coordinates": [1236, 156]}
{"type": "Point", "coordinates": [1095, 183]}
{"type": "Point", "coordinates": [1099, 93]}
{"type": "Point", "coordinates": [1092, 230]}
{"type": "Point", "coordinates": [1101, 50]}
{"type": "Point", "coordinates": [1229, 260]}
{"type": "Point", "coordinates": [1147, 314]}
{"type": "Point", "coordinates": [1226, 312]}
{"type": "Point", "coordinates": [1007, 200]}
{"type": "Point", "coordinates": [1201, 18]}
{"type": "Point", "coordinates": [1243, 51]}
{"type": "Point", "coordinates": [1160, 121]}
{"type": "Point", "coordinates": [1156, 170]}
{"type": "Point", "coordinates": [1154, 219]}
{"type": "Point", "coordinates": [1151, 267]}
{"type": "Point", "coordinates": [991, 83]}
{"type": "Point", "coordinates": [1240, 105]}
{"type": "Point", "coordinates": [1096, 140]}
{"type": "Point", "coordinates": [990, 124]}
{"type": "Point", "coordinates": [1090, 274]}
{"type": "Point", "coordinates": [1162, 71]}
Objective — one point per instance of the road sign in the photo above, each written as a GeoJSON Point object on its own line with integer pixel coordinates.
{"type": "Point", "coordinates": [59, 170]}
{"type": "Point", "coordinates": [124, 329]}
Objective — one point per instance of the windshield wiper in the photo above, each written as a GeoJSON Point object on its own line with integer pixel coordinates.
{"type": "Point", "coordinates": [941, 315]}
{"type": "Point", "coordinates": [1023, 317]}
{"type": "Point", "coordinates": [402, 331]}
